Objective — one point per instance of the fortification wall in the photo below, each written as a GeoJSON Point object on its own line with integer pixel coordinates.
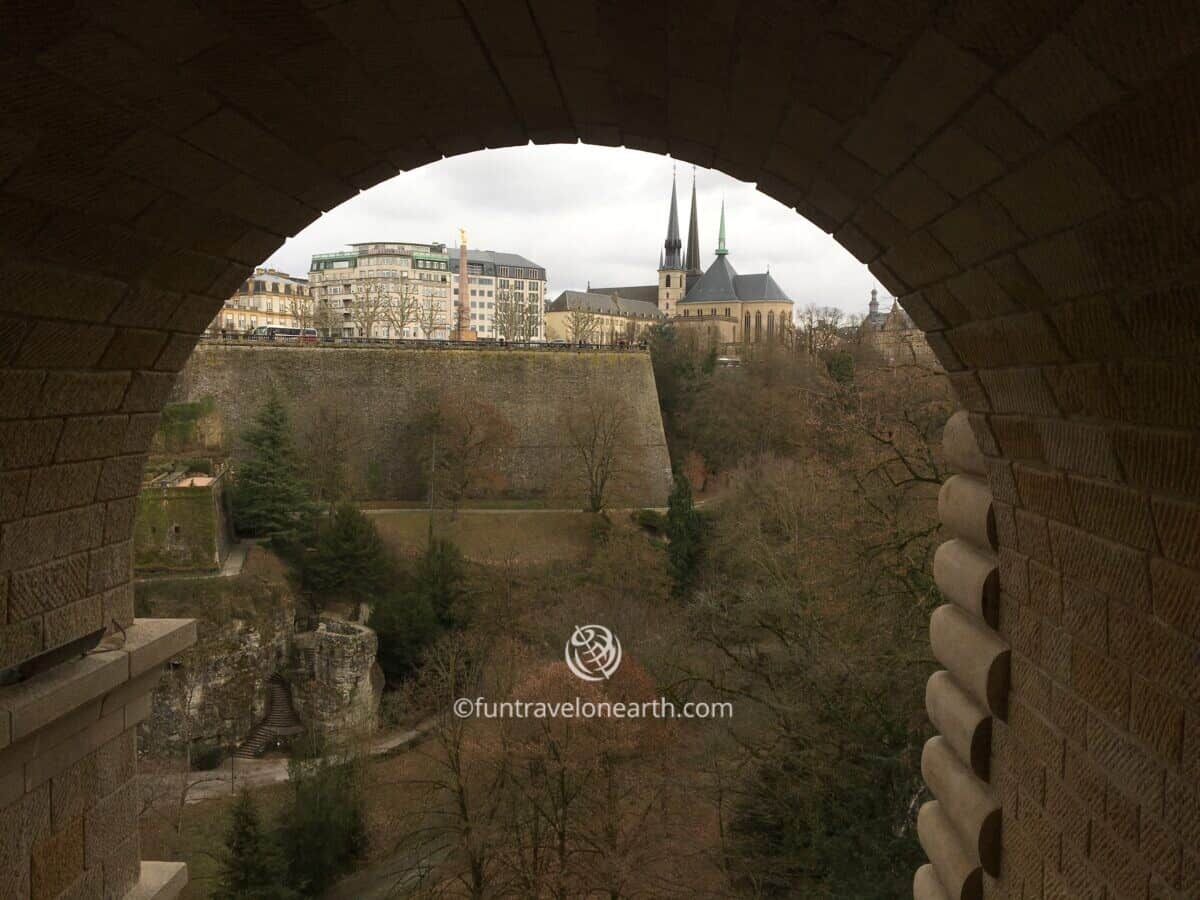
{"type": "Point", "coordinates": [382, 390]}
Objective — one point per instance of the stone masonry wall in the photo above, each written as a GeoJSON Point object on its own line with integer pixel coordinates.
{"type": "Point", "coordinates": [336, 682]}
{"type": "Point", "coordinates": [533, 392]}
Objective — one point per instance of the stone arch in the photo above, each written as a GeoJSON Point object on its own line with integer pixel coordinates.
{"type": "Point", "coordinates": [1022, 176]}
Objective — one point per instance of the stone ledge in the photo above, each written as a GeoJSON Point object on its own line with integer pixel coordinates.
{"type": "Point", "coordinates": [159, 881]}
{"type": "Point", "coordinates": [47, 697]}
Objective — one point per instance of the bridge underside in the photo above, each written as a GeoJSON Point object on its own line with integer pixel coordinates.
{"type": "Point", "coordinates": [1022, 174]}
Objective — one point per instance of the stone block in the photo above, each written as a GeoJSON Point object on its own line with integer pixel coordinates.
{"type": "Point", "coordinates": [63, 345]}
{"type": "Point", "coordinates": [1178, 525]}
{"type": "Point", "coordinates": [37, 590]}
{"type": "Point", "coordinates": [74, 393]}
{"type": "Point", "coordinates": [974, 654]}
{"type": "Point", "coordinates": [46, 697]}
{"type": "Point", "coordinates": [119, 516]}
{"type": "Point", "coordinates": [56, 861]}
{"type": "Point", "coordinates": [118, 606]}
{"type": "Point", "coordinates": [1080, 447]}
{"type": "Point", "coordinates": [151, 642]}
{"type": "Point", "coordinates": [965, 508]}
{"type": "Point", "coordinates": [962, 721]}
{"type": "Point", "coordinates": [69, 622]}
{"type": "Point", "coordinates": [1101, 681]}
{"type": "Point", "coordinates": [959, 163]}
{"type": "Point", "coordinates": [1130, 768]}
{"type": "Point", "coordinates": [91, 437]}
{"type": "Point", "coordinates": [1114, 512]}
{"type": "Point", "coordinates": [138, 710]}
{"type": "Point", "coordinates": [977, 229]}
{"type": "Point", "coordinates": [1057, 86]}
{"type": "Point", "coordinates": [20, 389]}
{"type": "Point", "coordinates": [1117, 570]}
{"type": "Point", "coordinates": [1045, 492]}
{"type": "Point", "coordinates": [137, 686]}
{"type": "Point", "coordinates": [921, 95]}
{"type": "Point", "coordinates": [140, 433]}
{"type": "Point", "coordinates": [20, 641]}
{"type": "Point", "coordinates": [13, 486]}
{"type": "Point", "coordinates": [1176, 590]}
{"type": "Point", "coordinates": [159, 881]}
{"type": "Point", "coordinates": [61, 487]}
{"type": "Point", "coordinates": [148, 391]}
{"type": "Point", "coordinates": [122, 868]}
{"type": "Point", "coordinates": [108, 824]}
{"type": "Point", "coordinates": [88, 886]}
{"type": "Point", "coordinates": [110, 566]}
{"type": "Point", "coordinates": [133, 348]}
{"type": "Point", "coordinates": [28, 443]}
{"type": "Point", "coordinates": [1019, 390]}
{"type": "Point", "coordinates": [1160, 460]}
{"type": "Point", "coordinates": [121, 477]}
{"type": "Point", "coordinates": [1157, 719]}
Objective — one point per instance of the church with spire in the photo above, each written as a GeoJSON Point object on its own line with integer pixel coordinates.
{"type": "Point", "coordinates": [718, 303]}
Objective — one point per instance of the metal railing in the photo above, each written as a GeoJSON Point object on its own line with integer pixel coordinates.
{"type": "Point", "coordinates": [419, 344]}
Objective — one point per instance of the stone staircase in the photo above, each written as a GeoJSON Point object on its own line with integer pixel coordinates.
{"type": "Point", "coordinates": [280, 721]}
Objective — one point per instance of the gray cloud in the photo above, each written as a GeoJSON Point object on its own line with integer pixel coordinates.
{"type": "Point", "coordinates": [587, 213]}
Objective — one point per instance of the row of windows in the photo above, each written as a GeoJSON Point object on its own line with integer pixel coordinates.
{"type": "Point", "coordinates": [258, 286]}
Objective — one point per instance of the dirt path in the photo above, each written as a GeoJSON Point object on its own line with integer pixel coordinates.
{"type": "Point", "coordinates": [235, 774]}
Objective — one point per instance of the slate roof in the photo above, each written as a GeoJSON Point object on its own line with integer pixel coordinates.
{"type": "Point", "coordinates": [494, 258]}
{"type": "Point", "coordinates": [604, 304]}
{"type": "Point", "coordinates": [646, 292]}
{"type": "Point", "coordinates": [722, 282]}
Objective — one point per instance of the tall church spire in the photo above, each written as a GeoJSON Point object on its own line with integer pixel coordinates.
{"type": "Point", "coordinates": [672, 246]}
{"type": "Point", "coordinates": [721, 250]}
{"type": "Point", "coordinates": [692, 260]}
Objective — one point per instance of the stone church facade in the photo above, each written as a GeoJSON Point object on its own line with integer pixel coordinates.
{"type": "Point", "coordinates": [718, 304]}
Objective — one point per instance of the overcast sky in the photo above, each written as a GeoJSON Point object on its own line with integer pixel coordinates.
{"type": "Point", "coordinates": [588, 213]}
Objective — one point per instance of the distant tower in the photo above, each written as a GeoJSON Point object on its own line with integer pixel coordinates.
{"type": "Point", "coordinates": [671, 273]}
{"type": "Point", "coordinates": [721, 248]}
{"type": "Point", "coordinates": [691, 259]}
{"type": "Point", "coordinates": [462, 328]}
{"type": "Point", "coordinates": [873, 306]}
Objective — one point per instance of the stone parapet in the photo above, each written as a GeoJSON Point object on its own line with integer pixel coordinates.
{"type": "Point", "coordinates": [68, 791]}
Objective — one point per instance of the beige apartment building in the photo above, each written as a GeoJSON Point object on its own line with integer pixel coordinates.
{"type": "Point", "coordinates": [585, 317]}
{"type": "Point", "coordinates": [386, 290]}
{"type": "Point", "coordinates": [269, 297]}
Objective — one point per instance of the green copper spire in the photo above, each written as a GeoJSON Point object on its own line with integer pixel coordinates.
{"type": "Point", "coordinates": [721, 251]}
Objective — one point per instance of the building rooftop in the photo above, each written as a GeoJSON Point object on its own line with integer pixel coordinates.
{"type": "Point", "coordinates": [605, 304]}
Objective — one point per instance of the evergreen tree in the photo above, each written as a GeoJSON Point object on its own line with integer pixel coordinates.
{"type": "Point", "coordinates": [439, 579]}
{"type": "Point", "coordinates": [405, 623]}
{"type": "Point", "coordinates": [349, 561]}
{"type": "Point", "coordinates": [685, 531]}
{"type": "Point", "coordinates": [321, 829]}
{"type": "Point", "coordinates": [270, 498]}
{"type": "Point", "coordinates": [251, 868]}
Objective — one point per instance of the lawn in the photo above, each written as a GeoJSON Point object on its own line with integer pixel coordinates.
{"type": "Point", "coordinates": [523, 536]}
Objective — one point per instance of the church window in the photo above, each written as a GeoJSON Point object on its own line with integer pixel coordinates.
{"type": "Point", "coordinates": [757, 326]}
{"type": "Point", "coordinates": [771, 323]}
{"type": "Point", "coordinates": [746, 329]}
{"type": "Point", "coordinates": [668, 281]}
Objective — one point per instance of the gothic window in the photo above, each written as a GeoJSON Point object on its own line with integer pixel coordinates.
{"type": "Point", "coordinates": [746, 329]}
{"type": "Point", "coordinates": [668, 281]}
{"type": "Point", "coordinates": [757, 327]}
{"type": "Point", "coordinates": [771, 324]}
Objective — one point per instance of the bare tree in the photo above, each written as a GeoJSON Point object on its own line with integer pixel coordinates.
{"type": "Point", "coordinates": [598, 437]}
{"type": "Point", "coordinates": [404, 308]}
{"type": "Point", "coordinates": [582, 324]}
{"type": "Point", "coordinates": [324, 319]}
{"type": "Point", "coordinates": [818, 328]}
{"type": "Point", "coordinates": [301, 309]}
{"type": "Point", "coordinates": [516, 320]}
{"type": "Point", "coordinates": [372, 299]}
{"type": "Point", "coordinates": [430, 316]}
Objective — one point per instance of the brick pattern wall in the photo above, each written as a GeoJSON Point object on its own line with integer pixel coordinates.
{"type": "Point", "coordinates": [1022, 175]}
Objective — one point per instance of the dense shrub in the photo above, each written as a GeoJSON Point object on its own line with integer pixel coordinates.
{"type": "Point", "coordinates": [321, 829]}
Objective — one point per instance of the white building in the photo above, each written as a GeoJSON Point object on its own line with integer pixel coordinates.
{"type": "Point", "coordinates": [507, 295]}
